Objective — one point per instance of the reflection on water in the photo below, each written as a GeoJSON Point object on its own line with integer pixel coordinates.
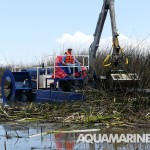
{"type": "Point", "coordinates": [33, 136]}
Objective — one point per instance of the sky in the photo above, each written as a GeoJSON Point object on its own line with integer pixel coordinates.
{"type": "Point", "coordinates": [31, 29]}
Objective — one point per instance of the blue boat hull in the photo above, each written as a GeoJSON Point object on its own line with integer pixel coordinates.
{"type": "Point", "coordinates": [57, 96]}
{"type": "Point", "coordinates": [14, 82]}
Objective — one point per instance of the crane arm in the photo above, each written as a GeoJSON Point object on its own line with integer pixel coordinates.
{"type": "Point", "coordinates": [107, 5]}
{"type": "Point", "coordinates": [98, 31]}
{"type": "Point", "coordinates": [116, 77]}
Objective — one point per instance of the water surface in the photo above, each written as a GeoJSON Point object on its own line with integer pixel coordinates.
{"type": "Point", "coordinates": [33, 136]}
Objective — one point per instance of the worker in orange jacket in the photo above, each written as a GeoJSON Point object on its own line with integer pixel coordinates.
{"type": "Point", "coordinates": [70, 62]}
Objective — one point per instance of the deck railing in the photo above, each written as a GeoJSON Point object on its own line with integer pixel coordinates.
{"type": "Point", "coordinates": [49, 63]}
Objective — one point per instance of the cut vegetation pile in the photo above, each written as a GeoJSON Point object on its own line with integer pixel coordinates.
{"type": "Point", "coordinates": [99, 108]}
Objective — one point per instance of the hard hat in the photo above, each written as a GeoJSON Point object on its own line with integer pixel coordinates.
{"type": "Point", "coordinates": [69, 49]}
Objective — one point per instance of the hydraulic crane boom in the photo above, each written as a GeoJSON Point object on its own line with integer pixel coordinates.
{"type": "Point", "coordinates": [116, 75]}
{"type": "Point", "coordinates": [107, 5]}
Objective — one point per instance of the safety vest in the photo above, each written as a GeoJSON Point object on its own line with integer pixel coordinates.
{"type": "Point", "coordinates": [69, 58]}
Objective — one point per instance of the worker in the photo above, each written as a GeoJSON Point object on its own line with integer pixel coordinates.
{"type": "Point", "coordinates": [69, 61]}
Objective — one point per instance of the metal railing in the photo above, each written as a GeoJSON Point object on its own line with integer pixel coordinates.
{"type": "Point", "coordinates": [53, 66]}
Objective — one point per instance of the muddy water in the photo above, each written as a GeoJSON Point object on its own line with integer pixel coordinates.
{"type": "Point", "coordinates": [33, 136]}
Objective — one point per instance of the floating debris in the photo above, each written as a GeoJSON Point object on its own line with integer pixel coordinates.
{"type": "Point", "coordinates": [99, 107]}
